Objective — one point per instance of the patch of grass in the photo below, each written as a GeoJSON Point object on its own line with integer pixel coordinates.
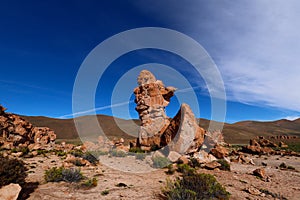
{"type": "Point", "coordinates": [61, 174]}
{"type": "Point", "coordinates": [60, 153]}
{"type": "Point", "coordinates": [291, 168]}
{"type": "Point", "coordinates": [194, 163]}
{"type": "Point", "coordinates": [117, 153]}
{"type": "Point", "coordinates": [283, 166]}
{"type": "Point", "coordinates": [160, 162]}
{"type": "Point", "coordinates": [171, 169]}
{"type": "Point", "coordinates": [185, 169]}
{"type": "Point", "coordinates": [105, 192]}
{"type": "Point", "coordinates": [136, 150]}
{"type": "Point", "coordinates": [224, 165]}
{"type": "Point", "coordinates": [140, 156]}
{"type": "Point", "coordinates": [92, 182]}
{"type": "Point", "coordinates": [12, 171]}
{"type": "Point", "coordinates": [89, 156]}
{"type": "Point", "coordinates": [194, 187]}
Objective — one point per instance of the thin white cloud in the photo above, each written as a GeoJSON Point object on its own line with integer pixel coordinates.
{"type": "Point", "coordinates": [292, 118]}
{"type": "Point", "coordinates": [256, 45]}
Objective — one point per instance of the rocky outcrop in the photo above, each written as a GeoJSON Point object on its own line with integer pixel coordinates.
{"type": "Point", "coordinates": [17, 132]}
{"type": "Point", "coordinates": [182, 133]}
{"type": "Point", "coordinates": [151, 97]}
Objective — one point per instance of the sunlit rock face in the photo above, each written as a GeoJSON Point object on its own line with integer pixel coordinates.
{"type": "Point", "coordinates": [182, 133]}
{"type": "Point", "coordinates": [151, 98]}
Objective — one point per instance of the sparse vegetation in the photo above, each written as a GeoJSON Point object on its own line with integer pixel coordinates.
{"type": "Point", "coordinates": [194, 187]}
{"type": "Point", "coordinates": [194, 163]}
{"type": "Point", "coordinates": [136, 150]}
{"type": "Point", "coordinates": [61, 174]}
{"type": "Point", "coordinates": [117, 153]}
{"type": "Point", "coordinates": [160, 162]}
{"type": "Point", "coordinates": [185, 169]}
{"type": "Point", "coordinates": [92, 182]}
{"type": "Point", "coordinates": [140, 156]}
{"type": "Point", "coordinates": [224, 165]}
{"type": "Point", "coordinates": [89, 156]}
{"type": "Point", "coordinates": [105, 192]}
{"type": "Point", "coordinates": [171, 169]}
{"type": "Point", "coordinates": [12, 171]}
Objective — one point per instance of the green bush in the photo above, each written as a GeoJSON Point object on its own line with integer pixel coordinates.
{"type": "Point", "coordinates": [61, 174]}
{"type": "Point", "coordinates": [105, 192]}
{"type": "Point", "coordinates": [117, 153]}
{"type": "Point", "coordinates": [160, 162]}
{"type": "Point", "coordinates": [140, 156]}
{"type": "Point", "coordinates": [90, 157]}
{"type": "Point", "coordinates": [194, 163]}
{"type": "Point", "coordinates": [93, 182]}
{"type": "Point", "coordinates": [12, 171]}
{"type": "Point", "coordinates": [136, 150]}
{"type": "Point", "coordinates": [194, 187]}
{"type": "Point", "coordinates": [171, 169]}
{"type": "Point", "coordinates": [185, 169]}
{"type": "Point", "coordinates": [224, 165]}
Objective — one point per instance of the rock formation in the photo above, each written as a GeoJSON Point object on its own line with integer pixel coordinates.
{"type": "Point", "coordinates": [182, 134]}
{"type": "Point", "coordinates": [151, 98]}
{"type": "Point", "coordinates": [17, 132]}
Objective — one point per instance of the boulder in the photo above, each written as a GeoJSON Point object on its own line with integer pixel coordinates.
{"type": "Point", "coordinates": [10, 192]}
{"type": "Point", "coordinates": [212, 165]}
{"type": "Point", "coordinates": [203, 157]}
{"type": "Point", "coordinates": [184, 133]}
{"type": "Point", "coordinates": [260, 172]}
{"type": "Point", "coordinates": [174, 156]}
{"type": "Point", "coordinates": [283, 145]}
{"type": "Point", "coordinates": [219, 152]}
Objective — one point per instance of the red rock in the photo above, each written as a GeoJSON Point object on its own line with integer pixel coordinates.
{"type": "Point", "coordinates": [260, 172]}
{"type": "Point", "coordinates": [219, 152]}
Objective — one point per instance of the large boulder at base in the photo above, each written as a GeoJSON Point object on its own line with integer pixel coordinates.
{"type": "Point", "coordinates": [10, 192]}
{"type": "Point", "coordinates": [219, 152]}
{"type": "Point", "coordinates": [183, 135]}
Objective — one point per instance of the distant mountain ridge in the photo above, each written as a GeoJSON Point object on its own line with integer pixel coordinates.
{"type": "Point", "coordinates": [237, 133]}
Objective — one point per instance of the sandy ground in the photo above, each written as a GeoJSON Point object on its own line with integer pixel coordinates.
{"type": "Point", "coordinates": [147, 184]}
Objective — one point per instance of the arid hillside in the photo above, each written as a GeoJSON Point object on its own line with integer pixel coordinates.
{"type": "Point", "coordinates": [237, 133]}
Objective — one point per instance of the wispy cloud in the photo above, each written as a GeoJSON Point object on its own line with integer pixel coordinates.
{"type": "Point", "coordinates": [256, 45]}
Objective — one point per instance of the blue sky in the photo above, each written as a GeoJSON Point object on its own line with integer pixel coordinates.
{"type": "Point", "coordinates": [254, 44]}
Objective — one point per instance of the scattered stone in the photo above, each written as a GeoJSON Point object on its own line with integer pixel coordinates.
{"type": "Point", "coordinates": [219, 152]}
{"type": "Point", "coordinates": [283, 145]}
{"type": "Point", "coordinates": [10, 192]}
{"type": "Point", "coordinates": [174, 156]}
{"type": "Point", "coordinates": [253, 191]}
{"type": "Point", "coordinates": [212, 165]}
{"type": "Point", "coordinates": [260, 172]}
{"type": "Point", "coordinates": [203, 157]}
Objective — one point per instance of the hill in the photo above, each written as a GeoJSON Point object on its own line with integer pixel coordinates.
{"type": "Point", "coordinates": [237, 133]}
